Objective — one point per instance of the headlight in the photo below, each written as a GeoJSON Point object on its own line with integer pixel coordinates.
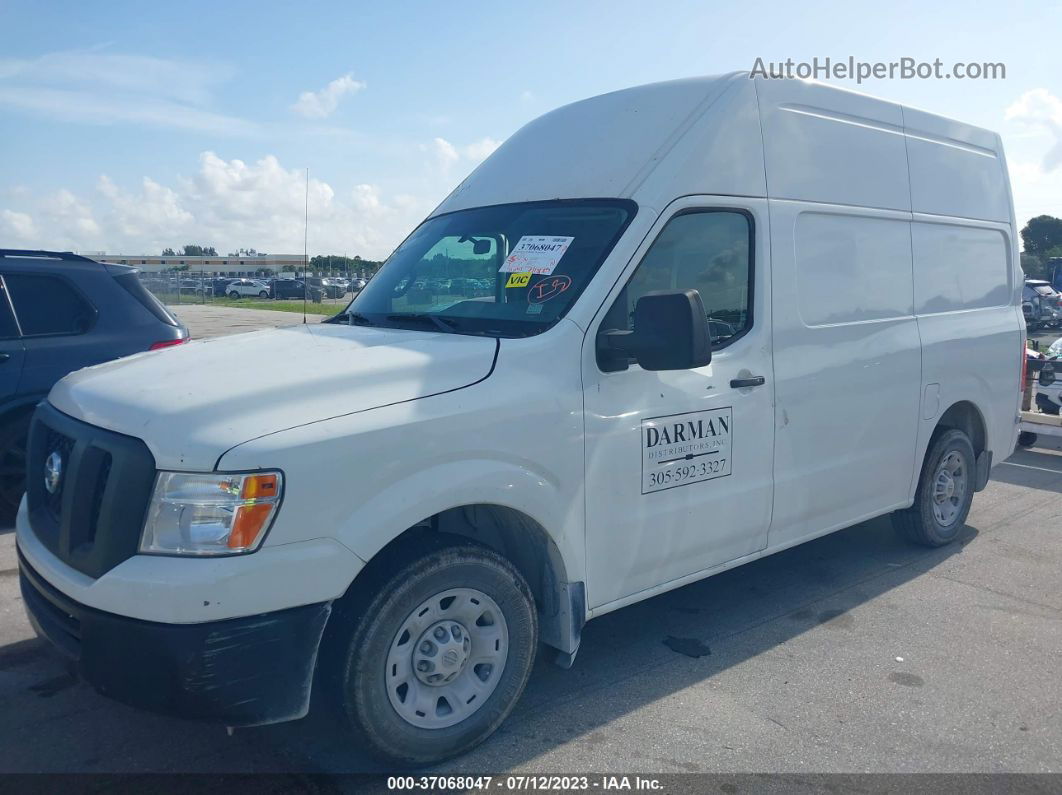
{"type": "Point", "coordinates": [210, 514]}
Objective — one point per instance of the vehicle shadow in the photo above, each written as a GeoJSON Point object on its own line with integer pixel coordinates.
{"type": "Point", "coordinates": [651, 650]}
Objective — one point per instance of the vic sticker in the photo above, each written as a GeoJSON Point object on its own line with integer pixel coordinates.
{"type": "Point", "coordinates": [686, 448]}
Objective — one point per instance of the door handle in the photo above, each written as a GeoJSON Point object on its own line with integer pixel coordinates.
{"type": "Point", "coordinates": [741, 383]}
{"type": "Point", "coordinates": [4, 356]}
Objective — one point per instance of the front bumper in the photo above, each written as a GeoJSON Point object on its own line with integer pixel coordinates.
{"type": "Point", "coordinates": [238, 672]}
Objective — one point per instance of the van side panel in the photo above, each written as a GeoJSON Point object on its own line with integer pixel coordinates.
{"type": "Point", "coordinates": [956, 169]}
{"type": "Point", "coordinates": [967, 279]}
{"type": "Point", "coordinates": [847, 366]}
{"type": "Point", "coordinates": [822, 144]}
{"type": "Point", "coordinates": [964, 299]}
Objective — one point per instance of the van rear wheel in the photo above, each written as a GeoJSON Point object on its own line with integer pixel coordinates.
{"type": "Point", "coordinates": [439, 657]}
{"type": "Point", "coordinates": [944, 494]}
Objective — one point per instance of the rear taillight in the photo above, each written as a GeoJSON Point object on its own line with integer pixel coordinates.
{"type": "Point", "coordinates": [157, 346]}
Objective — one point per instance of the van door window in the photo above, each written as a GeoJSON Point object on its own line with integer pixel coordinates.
{"type": "Point", "coordinates": [48, 305]}
{"type": "Point", "coordinates": [704, 250]}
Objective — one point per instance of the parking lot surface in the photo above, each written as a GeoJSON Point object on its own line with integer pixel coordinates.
{"type": "Point", "coordinates": [856, 652]}
{"type": "Point", "coordinates": [205, 320]}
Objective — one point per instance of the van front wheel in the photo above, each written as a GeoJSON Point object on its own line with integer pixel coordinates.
{"type": "Point", "coordinates": [439, 657]}
{"type": "Point", "coordinates": [945, 492]}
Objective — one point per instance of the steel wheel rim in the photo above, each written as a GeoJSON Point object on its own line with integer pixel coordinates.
{"type": "Point", "coordinates": [465, 683]}
{"type": "Point", "coordinates": [949, 488]}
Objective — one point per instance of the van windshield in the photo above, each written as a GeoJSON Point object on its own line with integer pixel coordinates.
{"type": "Point", "coordinates": [510, 270]}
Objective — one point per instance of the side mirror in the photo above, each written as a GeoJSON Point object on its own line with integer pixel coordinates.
{"type": "Point", "coordinates": [670, 333]}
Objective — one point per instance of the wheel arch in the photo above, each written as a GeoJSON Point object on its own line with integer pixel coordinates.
{"type": "Point", "coordinates": [512, 533]}
{"type": "Point", "coordinates": [965, 416]}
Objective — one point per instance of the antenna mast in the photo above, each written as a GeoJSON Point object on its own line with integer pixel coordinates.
{"type": "Point", "coordinates": [305, 239]}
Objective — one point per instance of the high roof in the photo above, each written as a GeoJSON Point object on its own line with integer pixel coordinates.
{"type": "Point", "coordinates": [735, 136]}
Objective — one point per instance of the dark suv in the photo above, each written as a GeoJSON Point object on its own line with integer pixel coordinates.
{"type": "Point", "coordinates": [60, 312]}
{"type": "Point", "coordinates": [286, 288]}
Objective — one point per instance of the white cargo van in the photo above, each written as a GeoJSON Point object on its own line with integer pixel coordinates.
{"type": "Point", "coordinates": [657, 334]}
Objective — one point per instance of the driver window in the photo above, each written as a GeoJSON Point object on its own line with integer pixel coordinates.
{"type": "Point", "coordinates": [704, 250]}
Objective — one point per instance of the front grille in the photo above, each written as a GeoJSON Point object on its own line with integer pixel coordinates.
{"type": "Point", "coordinates": [92, 519]}
{"type": "Point", "coordinates": [64, 445]}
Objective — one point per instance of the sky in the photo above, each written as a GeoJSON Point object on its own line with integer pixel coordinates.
{"type": "Point", "coordinates": [128, 127]}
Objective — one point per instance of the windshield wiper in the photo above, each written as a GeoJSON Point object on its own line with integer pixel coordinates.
{"type": "Point", "coordinates": [442, 323]}
{"type": "Point", "coordinates": [354, 319]}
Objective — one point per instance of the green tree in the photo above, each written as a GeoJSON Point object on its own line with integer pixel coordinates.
{"type": "Point", "coordinates": [1042, 234]}
{"type": "Point", "coordinates": [194, 250]}
{"type": "Point", "coordinates": [168, 252]}
{"type": "Point", "coordinates": [1031, 266]}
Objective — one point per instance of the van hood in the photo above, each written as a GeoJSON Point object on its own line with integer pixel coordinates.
{"type": "Point", "coordinates": [191, 403]}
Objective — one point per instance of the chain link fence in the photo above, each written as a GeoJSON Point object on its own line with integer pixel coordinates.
{"type": "Point", "coordinates": [177, 287]}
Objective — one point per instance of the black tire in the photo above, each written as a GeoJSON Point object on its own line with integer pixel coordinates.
{"type": "Point", "coordinates": [363, 647]}
{"type": "Point", "coordinates": [234, 295]}
{"type": "Point", "coordinates": [13, 436]}
{"type": "Point", "coordinates": [1026, 439]}
{"type": "Point", "coordinates": [919, 523]}
{"type": "Point", "coordinates": [263, 294]}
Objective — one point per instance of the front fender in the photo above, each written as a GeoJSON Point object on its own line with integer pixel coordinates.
{"type": "Point", "coordinates": [456, 483]}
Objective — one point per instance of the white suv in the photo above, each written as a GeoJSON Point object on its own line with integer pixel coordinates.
{"type": "Point", "coordinates": [247, 288]}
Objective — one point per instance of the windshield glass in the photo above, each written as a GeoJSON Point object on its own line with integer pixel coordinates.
{"type": "Point", "coordinates": [510, 270]}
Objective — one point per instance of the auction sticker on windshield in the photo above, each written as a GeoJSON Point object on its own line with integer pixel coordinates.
{"type": "Point", "coordinates": [685, 448]}
{"type": "Point", "coordinates": [537, 254]}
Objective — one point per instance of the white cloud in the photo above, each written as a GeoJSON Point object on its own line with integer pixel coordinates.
{"type": "Point", "coordinates": [185, 81]}
{"type": "Point", "coordinates": [225, 203]}
{"type": "Point", "coordinates": [17, 226]}
{"type": "Point", "coordinates": [444, 156]}
{"type": "Point", "coordinates": [481, 149]}
{"type": "Point", "coordinates": [232, 203]}
{"type": "Point", "coordinates": [1040, 109]}
{"type": "Point", "coordinates": [100, 88]}
{"type": "Point", "coordinates": [323, 103]}
{"type": "Point", "coordinates": [1035, 176]}
{"type": "Point", "coordinates": [65, 208]}
{"type": "Point", "coordinates": [444, 153]}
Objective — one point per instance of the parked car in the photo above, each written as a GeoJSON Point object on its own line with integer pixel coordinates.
{"type": "Point", "coordinates": [426, 495]}
{"type": "Point", "coordinates": [247, 288]}
{"type": "Point", "coordinates": [357, 284]}
{"type": "Point", "coordinates": [328, 287]}
{"type": "Point", "coordinates": [292, 288]}
{"type": "Point", "coordinates": [60, 312]}
{"type": "Point", "coordinates": [286, 288]}
{"type": "Point", "coordinates": [1041, 305]}
{"type": "Point", "coordinates": [1048, 383]}
{"type": "Point", "coordinates": [217, 285]}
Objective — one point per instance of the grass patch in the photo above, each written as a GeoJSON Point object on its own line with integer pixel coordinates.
{"type": "Point", "coordinates": [324, 308]}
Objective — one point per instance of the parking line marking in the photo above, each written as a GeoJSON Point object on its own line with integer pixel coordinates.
{"type": "Point", "coordinates": [1030, 466]}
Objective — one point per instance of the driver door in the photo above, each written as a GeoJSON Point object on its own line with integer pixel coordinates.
{"type": "Point", "coordinates": [679, 464]}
